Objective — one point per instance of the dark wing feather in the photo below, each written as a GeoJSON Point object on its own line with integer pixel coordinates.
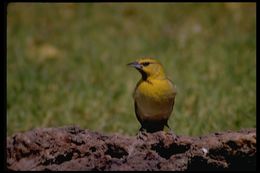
{"type": "Point", "coordinates": [137, 113]}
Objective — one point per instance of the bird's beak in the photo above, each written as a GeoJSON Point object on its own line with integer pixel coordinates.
{"type": "Point", "coordinates": [135, 65]}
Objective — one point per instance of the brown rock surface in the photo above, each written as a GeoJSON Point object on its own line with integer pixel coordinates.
{"type": "Point", "coordinates": [71, 148]}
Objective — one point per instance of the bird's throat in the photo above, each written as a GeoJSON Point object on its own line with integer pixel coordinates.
{"type": "Point", "coordinates": [144, 75]}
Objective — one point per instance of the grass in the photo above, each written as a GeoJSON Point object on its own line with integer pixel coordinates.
{"type": "Point", "coordinates": [66, 64]}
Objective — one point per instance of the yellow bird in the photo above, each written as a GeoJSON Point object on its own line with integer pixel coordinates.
{"type": "Point", "coordinates": [154, 95]}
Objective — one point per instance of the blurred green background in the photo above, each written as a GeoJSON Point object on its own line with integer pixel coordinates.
{"type": "Point", "coordinates": [66, 64]}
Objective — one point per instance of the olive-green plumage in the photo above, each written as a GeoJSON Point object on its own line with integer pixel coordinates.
{"type": "Point", "coordinates": [154, 95]}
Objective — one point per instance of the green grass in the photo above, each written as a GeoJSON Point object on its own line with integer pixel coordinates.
{"type": "Point", "coordinates": [66, 64]}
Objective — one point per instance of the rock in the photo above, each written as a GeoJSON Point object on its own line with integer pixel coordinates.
{"type": "Point", "coordinates": [72, 148]}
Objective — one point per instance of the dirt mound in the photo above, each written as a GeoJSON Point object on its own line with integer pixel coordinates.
{"type": "Point", "coordinates": [72, 148]}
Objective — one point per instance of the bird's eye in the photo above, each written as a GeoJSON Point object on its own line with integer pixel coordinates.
{"type": "Point", "coordinates": [145, 63]}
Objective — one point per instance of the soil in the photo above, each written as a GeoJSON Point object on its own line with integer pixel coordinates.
{"type": "Point", "coordinates": [73, 148]}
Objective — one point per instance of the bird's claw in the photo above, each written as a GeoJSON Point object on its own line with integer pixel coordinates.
{"type": "Point", "coordinates": [141, 135]}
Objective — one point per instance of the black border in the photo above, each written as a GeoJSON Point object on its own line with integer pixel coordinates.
{"type": "Point", "coordinates": [3, 51]}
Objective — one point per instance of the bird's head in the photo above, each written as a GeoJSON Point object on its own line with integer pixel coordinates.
{"type": "Point", "coordinates": [149, 68]}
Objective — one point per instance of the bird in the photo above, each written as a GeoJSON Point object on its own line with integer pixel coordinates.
{"type": "Point", "coordinates": [154, 95]}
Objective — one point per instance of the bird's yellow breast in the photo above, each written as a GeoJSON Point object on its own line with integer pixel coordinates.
{"type": "Point", "coordinates": [155, 98]}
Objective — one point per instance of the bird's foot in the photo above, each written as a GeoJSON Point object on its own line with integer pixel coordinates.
{"type": "Point", "coordinates": [141, 135]}
{"type": "Point", "coordinates": [171, 132]}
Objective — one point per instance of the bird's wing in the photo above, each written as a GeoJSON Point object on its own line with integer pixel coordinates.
{"type": "Point", "coordinates": [172, 104]}
{"type": "Point", "coordinates": [137, 113]}
{"type": "Point", "coordinates": [174, 86]}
